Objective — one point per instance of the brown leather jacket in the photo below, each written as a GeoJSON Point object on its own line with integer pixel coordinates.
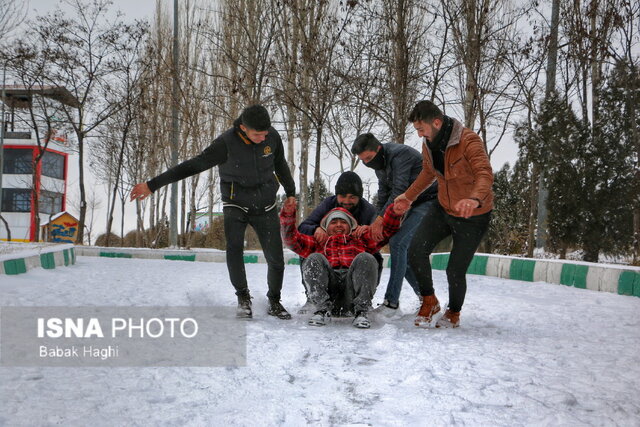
{"type": "Point", "coordinates": [468, 173]}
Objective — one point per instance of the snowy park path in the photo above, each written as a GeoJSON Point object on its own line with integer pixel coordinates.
{"type": "Point", "coordinates": [526, 354]}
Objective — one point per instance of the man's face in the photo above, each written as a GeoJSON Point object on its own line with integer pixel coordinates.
{"type": "Point", "coordinates": [367, 155]}
{"type": "Point", "coordinates": [347, 201]}
{"type": "Point", "coordinates": [428, 130]}
{"type": "Point", "coordinates": [255, 136]}
{"type": "Point", "coordinates": [338, 226]}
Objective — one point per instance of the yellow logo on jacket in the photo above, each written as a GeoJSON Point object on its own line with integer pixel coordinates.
{"type": "Point", "coordinates": [267, 150]}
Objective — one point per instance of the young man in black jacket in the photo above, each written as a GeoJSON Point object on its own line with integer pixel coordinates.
{"type": "Point", "coordinates": [250, 158]}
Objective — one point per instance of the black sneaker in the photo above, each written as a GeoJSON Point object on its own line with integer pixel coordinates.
{"type": "Point", "coordinates": [276, 309]}
{"type": "Point", "coordinates": [244, 306]}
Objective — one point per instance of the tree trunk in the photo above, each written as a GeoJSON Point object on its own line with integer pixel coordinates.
{"type": "Point", "coordinates": [6, 226]}
{"type": "Point", "coordinates": [192, 210]}
{"type": "Point", "coordinates": [304, 167]}
{"type": "Point", "coordinates": [35, 196]}
{"type": "Point", "coordinates": [552, 58]}
{"type": "Point", "coordinates": [140, 238]}
{"type": "Point", "coordinates": [635, 135]}
{"type": "Point", "coordinates": [152, 210]}
{"type": "Point", "coordinates": [471, 61]}
{"type": "Point", "coordinates": [533, 210]}
{"type": "Point", "coordinates": [110, 219]}
{"type": "Point", "coordinates": [291, 123]}
{"type": "Point", "coordinates": [316, 172]}
{"type": "Point", "coordinates": [115, 188]}
{"type": "Point", "coordinates": [183, 211]}
{"type": "Point", "coordinates": [591, 253]}
{"type": "Point", "coordinates": [123, 201]}
{"type": "Point", "coordinates": [210, 194]}
{"type": "Point", "coordinates": [596, 75]}
{"type": "Point", "coordinates": [401, 71]}
{"type": "Point", "coordinates": [541, 196]}
{"type": "Point", "coordinates": [83, 196]}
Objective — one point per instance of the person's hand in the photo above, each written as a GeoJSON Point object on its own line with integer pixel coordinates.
{"type": "Point", "coordinates": [320, 235]}
{"type": "Point", "coordinates": [289, 205]}
{"type": "Point", "coordinates": [465, 207]}
{"type": "Point", "coordinates": [290, 201]}
{"type": "Point", "coordinates": [360, 230]}
{"type": "Point", "coordinates": [376, 230]}
{"type": "Point", "coordinates": [140, 191]}
{"type": "Point", "coordinates": [401, 204]}
{"type": "Point", "coordinates": [399, 209]}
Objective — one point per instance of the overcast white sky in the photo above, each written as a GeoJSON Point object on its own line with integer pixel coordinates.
{"type": "Point", "coordinates": [133, 9]}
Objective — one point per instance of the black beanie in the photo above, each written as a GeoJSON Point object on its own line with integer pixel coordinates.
{"type": "Point", "coordinates": [256, 117]}
{"type": "Point", "coordinates": [349, 183]}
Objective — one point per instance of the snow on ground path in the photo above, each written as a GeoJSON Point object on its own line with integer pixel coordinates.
{"type": "Point", "coordinates": [527, 353]}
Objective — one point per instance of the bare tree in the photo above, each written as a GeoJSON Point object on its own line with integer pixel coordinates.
{"type": "Point", "coordinates": [156, 113]}
{"type": "Point", "coordinates": [360, 94]}
{"type": "Point", "coordinates": [321, 30]}
{"type": "Point", "coordinates": [288, 51]}
{"type": "Point", "coordinates": [12, 13]}
{"type": "Point", "coordinates": [484, 33]}
{"type": "Point", "coordinates": [400, 37]}
{"type": "Point", "coordinates": [93, 204]}
{"type": "Point", "coordinates": [81, 49]}
{"type": "Point", "coordinates": [199, 100]}
{"type": "Point", "coordinates": [127, 86]}
{"type": "Point", "coordinates": [246, 49]}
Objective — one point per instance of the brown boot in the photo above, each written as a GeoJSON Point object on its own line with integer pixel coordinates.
{"type": "Point", "coordinates": [430, 306]}
{"type": "Point", "coordinates": [450, 319]}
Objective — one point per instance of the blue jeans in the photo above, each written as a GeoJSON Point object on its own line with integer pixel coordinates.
{"type": "Point", "coordinates": [399, 245]}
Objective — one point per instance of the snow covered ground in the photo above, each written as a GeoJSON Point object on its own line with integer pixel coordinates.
{"type": "Point", "coordinates": [526, 354]}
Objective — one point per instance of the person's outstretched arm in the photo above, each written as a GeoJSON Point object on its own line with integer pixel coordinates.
{"type": "Point", "coordinates": [300, 243]}
{"type": "Point", "coordinates": [213, 155]}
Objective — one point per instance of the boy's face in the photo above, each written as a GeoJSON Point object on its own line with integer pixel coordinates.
{"type": "Point", "coordinates": [255, 136]}
{"type": "Point", "coordinates": [338, 226]}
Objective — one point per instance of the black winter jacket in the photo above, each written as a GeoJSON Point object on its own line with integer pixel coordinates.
{"type": "Point", "coordinates": [250, 174]}
{"type": "Point", "coordinates": [402, 164]}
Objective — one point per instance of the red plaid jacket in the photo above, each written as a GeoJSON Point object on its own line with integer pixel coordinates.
{"type": "Point", "coordinates": [339, 249]}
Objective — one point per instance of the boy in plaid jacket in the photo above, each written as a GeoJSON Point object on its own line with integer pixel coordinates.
{"type": "Point", "coordinates": [341, 273]}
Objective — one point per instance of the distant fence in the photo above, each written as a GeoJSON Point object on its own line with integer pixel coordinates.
{"type": "Point", "coordinates": [47, 258]}
{"type": "Point", "coordinates": [623, 280]}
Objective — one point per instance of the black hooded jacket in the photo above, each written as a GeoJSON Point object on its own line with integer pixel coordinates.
{"type": "Point", "coordinates": [250, 174]}
{"type": "Point", "coordinates": [402, 164]}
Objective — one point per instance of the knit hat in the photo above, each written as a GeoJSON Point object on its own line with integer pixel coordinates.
{"type": "Point", "coordinates": [256, 117]}
{"type": "Point", "coordinates": [349, 183]}
{"type": "Point", "coordinates": [339, 213]}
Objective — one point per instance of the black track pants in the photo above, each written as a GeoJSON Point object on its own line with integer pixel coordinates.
{"type": "Point", "coordinates": [267, 227]}
{"type": "Point", "coordinates": [466, 233]}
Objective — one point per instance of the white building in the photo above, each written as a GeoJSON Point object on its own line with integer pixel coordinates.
{"type": "Point", "coordinates": [21, 181]}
